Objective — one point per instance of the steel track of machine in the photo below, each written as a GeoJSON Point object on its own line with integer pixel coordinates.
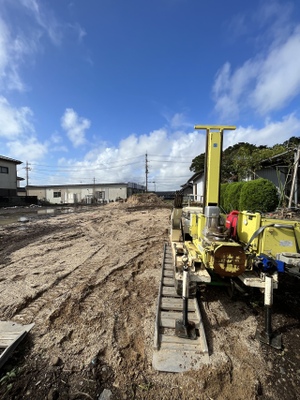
{"type": "Point", "coordinates": [173, 353]}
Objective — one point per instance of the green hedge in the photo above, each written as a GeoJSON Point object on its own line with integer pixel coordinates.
{"type": "Point", "coordinates": [258, 195]}
{"type": "Point", "coordinates": [223, 189]}
{"type": "Point", "coordinates": [232, 196]}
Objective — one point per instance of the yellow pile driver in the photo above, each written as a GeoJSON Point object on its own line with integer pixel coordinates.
{"type": "Point", "coordinates": [242, 247]}
{"type": "Point", "coordinates": [206, 247]}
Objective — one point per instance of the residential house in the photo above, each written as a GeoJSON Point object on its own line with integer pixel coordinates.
{"type": "Point", "coordinates": [194, 187]}
{"type": "Point", "coordinates": [277, 170]}
{"type": "Point", "coordinates": [8, 179]}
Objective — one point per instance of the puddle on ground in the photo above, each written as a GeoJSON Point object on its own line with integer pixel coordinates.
{"type": "Point", "coordinates": [24, 217]}
{"type": "Point", "coordinates": [46, 211]}
{"type": "Point", "coordinates": [10, 219]}
{"type": "Point", "coordinates": [10, 216]}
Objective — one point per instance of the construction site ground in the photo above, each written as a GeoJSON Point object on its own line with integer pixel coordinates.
{"type": "Point", "coordinates": [89, 281]}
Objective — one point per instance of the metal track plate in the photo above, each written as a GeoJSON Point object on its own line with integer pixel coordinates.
{"type": "Point", "coordinates": [171, 353]}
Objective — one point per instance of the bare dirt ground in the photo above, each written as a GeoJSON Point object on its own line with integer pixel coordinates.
{"type": "Point", "coordinates": [89, 281]}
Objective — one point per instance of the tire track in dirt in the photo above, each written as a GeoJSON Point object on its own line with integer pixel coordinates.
{"type": "Point", "coordinates": [28, 310]}
{"type": "Point", "coordinates": [76, 285]}
{"type": "Point", "coordinates": [26, 237]}
{"type": "Point", "coordinates": [25, 281]}
{"type": "Point", "coordinates": [100, 307]}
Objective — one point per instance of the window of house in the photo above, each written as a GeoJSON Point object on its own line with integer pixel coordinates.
{"type": "Point", "coordinates": [4, 170]}
{"type": "Point", "coordinates": [56, 194]}
{"type": "Point", "coordinates": [100, 195]}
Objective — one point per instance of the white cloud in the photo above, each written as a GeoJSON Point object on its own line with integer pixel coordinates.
{"type": "Point", "coordinates": [28, 148]}
{"type": "Point", "coordinates": [56, 138]}
{"type": "Point", "coordinates": [75, 126]}
{"type": "Point", "coordinates": [49, 23]}
{"type": "Point", "coordinates": [78, 30]}
{"type": "Point", "coordinates": [17, 134]}
{"type": "Point", "coordinates": [19, 44]}
{"type": "Point", "coordinates": [12, 51]}
{"type": "Point", "coordinates": [278, 81]}
{"type": "Point", "coordinates": [270, 80]}
{"type": "Point", "coordinates": [277, 17]}
{"type": "Point", "coordinates": [56, 142]}
{"type": "Point", "coordinates": [177, 120]}
{"type": "Point", "coordinates": [169, 155]}
{"type": "Point", "coordinates": [4, 40]}
{"type": "Point", "coordinates": [14, 121]}
{"type": "Point", "coordinates": [269, 135]}
{"type": "Point", "coordinates": [45, 19]}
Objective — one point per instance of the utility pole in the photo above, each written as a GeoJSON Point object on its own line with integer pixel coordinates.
{"type": "Point", "coordinates": [295, 178]}
{"type": "Point", "coordinates": [27, 168]}
{"type": "Point", "coordinates": [146, 171]}
{"type": "Point", "coordinates": [94, 184]}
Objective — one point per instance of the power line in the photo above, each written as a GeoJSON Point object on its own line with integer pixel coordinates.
{"type": "Point", "coordinates": [83, 168]}
{"type": "Point", "coordinates": [105, 166]}
{"type": "Point", "coordinates": [146, 172]}
{"type": "Point", "coordinates": [169, 161]}
{"type": "Point", "coordinates": [98, 164]}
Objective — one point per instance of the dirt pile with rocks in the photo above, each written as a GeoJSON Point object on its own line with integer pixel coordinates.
{"type": "Point", "coordinates": [89, 281]}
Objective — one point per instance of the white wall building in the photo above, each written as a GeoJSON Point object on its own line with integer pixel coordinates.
{"type": "Point", "coordinates": [197, 182]}
{"type": "Point", "coordinates": [84, 194]}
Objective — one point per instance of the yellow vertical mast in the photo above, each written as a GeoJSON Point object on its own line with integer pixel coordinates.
{"type": "Point", "coordinates": [212, 169]}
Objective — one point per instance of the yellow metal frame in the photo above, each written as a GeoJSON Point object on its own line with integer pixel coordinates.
{"type": "Point", "coordinates": [274, 239]}
{"type": "Point", "coordinates": [213, 155]}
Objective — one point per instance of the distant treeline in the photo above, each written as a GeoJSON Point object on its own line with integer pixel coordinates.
{"type": "Point", "coordinates": [243, 159]}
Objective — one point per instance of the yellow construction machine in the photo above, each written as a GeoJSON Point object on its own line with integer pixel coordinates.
{"type": "Point", "coordinates": [242, 249]}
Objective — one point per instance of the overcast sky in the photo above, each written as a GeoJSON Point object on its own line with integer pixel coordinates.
{"type": "Point", "coordinates": [87, 88]}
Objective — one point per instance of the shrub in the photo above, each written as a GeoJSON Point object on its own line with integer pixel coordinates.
{"type": "Point", "coordinates": [223, 189]}
{"type": "Point", "coordinates": [258, 195]}
{"type": "Point", "coordinates": [232, 197]}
